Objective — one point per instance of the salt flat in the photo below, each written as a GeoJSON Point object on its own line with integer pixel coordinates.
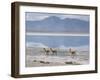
{"type": "Point", "coordinates": [36, 57]}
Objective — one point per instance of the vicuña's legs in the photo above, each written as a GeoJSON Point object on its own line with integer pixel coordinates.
{"type": "Point", "coordinates": [72, 52]}
{"type": "Point", "coordinates": [54, 52]}
{"type": "Point", "coordinates": [46, 51]}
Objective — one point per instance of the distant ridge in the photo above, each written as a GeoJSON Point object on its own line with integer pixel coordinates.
{"type": "Point", "coordinates": [55, 24]}
{"type": "Point", "coordinates": [41, 45]}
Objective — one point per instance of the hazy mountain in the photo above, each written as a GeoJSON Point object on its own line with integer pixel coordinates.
{"type": "Point", "coordinates": [79, 48]}
{"type": "Point", "coordinates": [55, 24]}
{"type": "Point", "coordinates": [62, 47]}
{"type": "Point", "coordinates": [38, 45]}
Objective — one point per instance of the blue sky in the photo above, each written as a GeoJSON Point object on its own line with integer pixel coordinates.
{"type": "Point", "coordinates": [56, 41]}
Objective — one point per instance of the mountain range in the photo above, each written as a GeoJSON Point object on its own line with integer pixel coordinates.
{"type": "Point", "coordinates": [55, 24]}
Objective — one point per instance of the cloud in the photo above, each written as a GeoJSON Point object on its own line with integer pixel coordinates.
{"type": "Point", "coordinates": [33, 16]}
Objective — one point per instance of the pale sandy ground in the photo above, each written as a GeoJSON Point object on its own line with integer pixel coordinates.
{"type": "Point", "coordinates": [36, 61]}
{"type": "Point", "coordinates": [35, 57]}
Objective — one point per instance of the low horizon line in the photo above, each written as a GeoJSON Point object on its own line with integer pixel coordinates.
{"type": "Point", "coordinates": [57, 34]}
